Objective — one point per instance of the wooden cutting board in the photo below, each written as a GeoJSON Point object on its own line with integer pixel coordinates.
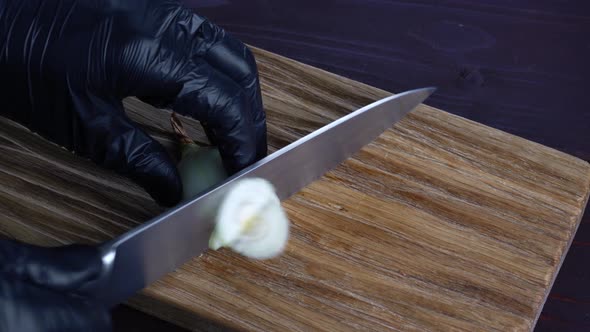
{"type": "Point", "coordinates": [439, 224]}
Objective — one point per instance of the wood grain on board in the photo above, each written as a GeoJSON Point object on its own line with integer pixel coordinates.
{"type": "Point", "coordinates": [518, 66]}
{"type": "Point", "coordinates": [441, 223]}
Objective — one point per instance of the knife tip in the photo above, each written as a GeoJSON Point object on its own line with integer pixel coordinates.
{"type": "Point", "coordinates": [431, 89]}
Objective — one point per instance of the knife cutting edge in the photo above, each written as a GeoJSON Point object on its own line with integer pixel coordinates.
{"type": "Point", "coordinates": [146, 253]}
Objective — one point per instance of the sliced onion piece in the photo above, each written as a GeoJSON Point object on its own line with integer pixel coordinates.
{"type": "Point", "coordinates": [251, 221]}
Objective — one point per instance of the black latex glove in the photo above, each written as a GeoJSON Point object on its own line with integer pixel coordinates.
{"type": "Point", "coordinates": [37, 285]}
{"type": "Point", "coordinates": [66, 65]}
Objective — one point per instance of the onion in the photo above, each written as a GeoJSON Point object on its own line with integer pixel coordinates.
{"type": "Point", "coordinates": [250, 219]}
{"type": "Point", "coordinates": [200, 167]}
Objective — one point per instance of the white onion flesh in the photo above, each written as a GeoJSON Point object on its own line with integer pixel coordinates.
{"type": "Point", "coordinates": [251, 221]}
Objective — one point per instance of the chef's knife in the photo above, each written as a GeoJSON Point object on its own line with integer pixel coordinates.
{"type": "Point", "coordinates": [146, 253]}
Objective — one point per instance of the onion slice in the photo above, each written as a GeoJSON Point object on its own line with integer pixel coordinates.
{"type": "Point", "coordinates": [251, 221]}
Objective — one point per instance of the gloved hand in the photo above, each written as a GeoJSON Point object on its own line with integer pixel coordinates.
{"type": "Point", "coordinates": [65, 67]}
{"type": "Point", "coordinates": [37, 288]}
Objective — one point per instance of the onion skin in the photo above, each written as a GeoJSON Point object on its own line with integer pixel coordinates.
{"type": "Point", "coordinates": [200, 167]}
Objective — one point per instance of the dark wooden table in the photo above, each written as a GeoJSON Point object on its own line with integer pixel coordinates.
{"type": "Point", "coordinates": [520, 66]}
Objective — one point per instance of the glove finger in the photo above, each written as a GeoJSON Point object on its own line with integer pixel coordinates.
{"type": "Point", "coordinates": [223, 109]}
{"type": "Point", "coordinates": [61, 268]}
{"type": "Point", "coordinates": [233, 58]}
{"type": "Point", "coordinates": [192, 87]}
{"type": "Point", "coordinates": [115, 142]}
{"type": "Point", "coordinates": [130, 151]}
{"type": "Point", "coordinates": [26, 307]}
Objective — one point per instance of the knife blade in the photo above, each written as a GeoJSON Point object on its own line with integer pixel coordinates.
{"type": "Point", "coordinates": [144, 254]}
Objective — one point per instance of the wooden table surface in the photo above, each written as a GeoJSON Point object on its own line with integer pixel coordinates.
{"type": "Point", "coordinates": [441, 223]}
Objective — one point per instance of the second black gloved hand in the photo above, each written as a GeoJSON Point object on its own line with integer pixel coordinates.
{"type": "Point", "coordinates": [65, 67]}
{"type": "Point", "coordinates": [38, 285]}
